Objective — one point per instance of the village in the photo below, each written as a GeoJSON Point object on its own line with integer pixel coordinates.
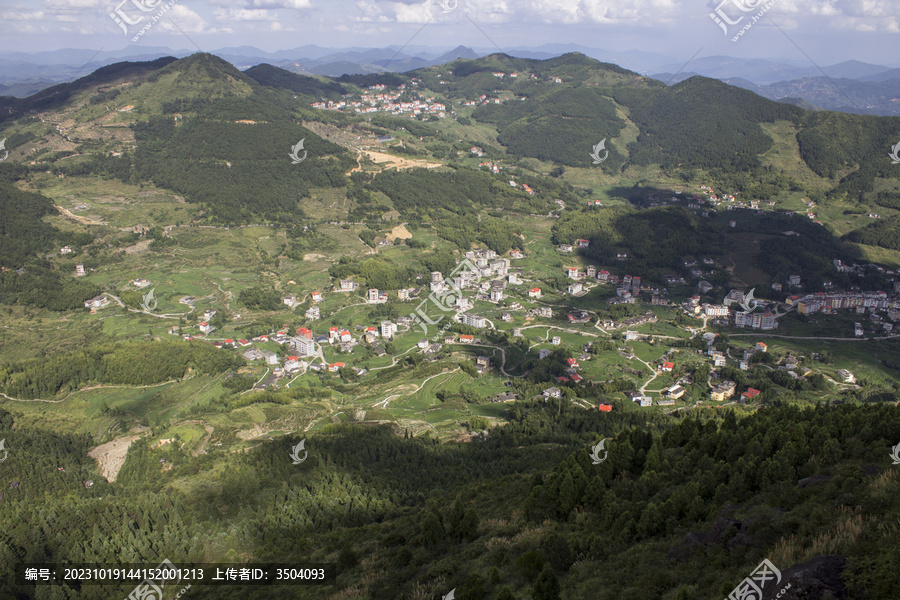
{"type": "Point", "coordinates": [377, 99]}
{"type": "Point", "coordinates": [492, 283]}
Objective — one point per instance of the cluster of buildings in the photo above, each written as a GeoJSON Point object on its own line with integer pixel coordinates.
{"type": "Point", "coordinates": [827, 303]}
{"type": "Point", "coordinates": [377, 99]}
{"type": "Point", "coordinates": [731, 311]}
{"type": "Point", "coordinates": [483, 100]}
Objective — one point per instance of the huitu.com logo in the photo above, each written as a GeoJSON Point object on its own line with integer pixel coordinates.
{"type": "Point", "coordinates": [149, 302]}
{"type": "Point", "coordinates": [749, 303]}
{"type": "Point", "coordinates": [295, 452]}
{"type": "Point", "coordinates": [123, 20]}
{"type": "Point", "coordinates": [595, 453]}
{"type": "Point", "coordinates": [152, 588]}
{"type": "Point", "coordinates": [6, 152]}
{"type": "Point", "coordinates": [448, 294]}
{"type": "Point", "coordinates": [296, 159]}
{"type": "Point", "coordinates": [751, 588]}
{"type": "Point", "coordinates": [894, 455]}
{"type": "Point", "coordinates": [450, 595]}
{"type": "Point", "coordinates": [596, 153]}
{"type": "Point", "coordinates": [895, 154]}
{"type": "Point", "coordinates": [3, 449]}
{"type": "Point", "coordinates": [448, 5]}
{"type": "Point", "coordinates": [723, 19]}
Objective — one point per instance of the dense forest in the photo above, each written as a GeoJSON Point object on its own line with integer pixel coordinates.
{"type": "Point", "coordinates": [311, 87]}
{"type": "Point", "coordinates": [703, 123]}
{"type": "Point", "coordinates": [884, 233]}
{"type": "Point", "coordinates": [25, 278]}
{"type": "Point", "coordinates": [523, 514]}
{"type": "Point", "coordinates": [656, 238]}
{"type": "Point", "coordinates": [22, 230]}
{"type": "Point", "coordinates": [240, 172]}
{"type": "Point", "coordinates": [561, 126]}
{"type": "Point", "coordinates": [132, 363]}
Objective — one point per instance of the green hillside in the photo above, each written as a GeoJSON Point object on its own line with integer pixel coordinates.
{"type": "Point", "coordinates": [457, 451]}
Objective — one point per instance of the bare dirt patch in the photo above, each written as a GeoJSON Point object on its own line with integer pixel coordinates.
{"type": "Point", "coordinates": [400, 233]}
{"type": "Point", "coordinates": [256, 431]}
{"type": "Point", "coordinates": [83, 220]}
{"type": "Point", "coordinates": [391, 161]}
{"type": "Point", "coordinates": [138, 248]}
{"type": "Point", "coordinates": [111, 456]}
{"type": "Point", "coordinates": [313, 256]}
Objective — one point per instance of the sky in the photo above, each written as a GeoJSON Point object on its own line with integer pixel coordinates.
{"type": "Point", "coordinates": [821, 32]}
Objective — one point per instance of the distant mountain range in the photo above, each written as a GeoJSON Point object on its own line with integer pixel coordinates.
{"type": "Point", "coordinates": [851, 86]}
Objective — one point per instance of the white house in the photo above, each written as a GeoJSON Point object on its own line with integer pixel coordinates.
{"type": "Point", "coordinates": [473, 321]}
{"type": "Point", "coordinates": [388, 329]}
{"type": "Point", "coordinates": [96, 303]}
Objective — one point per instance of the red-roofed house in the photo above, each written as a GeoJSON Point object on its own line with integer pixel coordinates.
{"type": "Point", "coordinates": [667, 367]}
{"type": "Point", "coordinates": [244, 342]}
{"type": "Point", "coordinates": [304, 332]}
{"type": "Point", "coordinates": [317, 296]}
{"type": "Point", "coordinates": [750, 393]}
{"type": "Point", "coordinates": [577, 378]}
{"type": "Point", "coordinates": [345, 336]}
{"type": "Point", "coordinates": [534, 293]}
{"type": "Point", "coordinates": [562, 379]}
{"type": "Point", "coordinates": [604, 407]}
{"type": "Point", "coordinates": [572, 362]}
{"type": "Point", "coordinates": [334, 368]}
{"type": "Point", "coordinates": [466, 339]}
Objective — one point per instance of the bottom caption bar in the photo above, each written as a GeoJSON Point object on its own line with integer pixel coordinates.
{"type": "Point", "coordinates": [167, 574]}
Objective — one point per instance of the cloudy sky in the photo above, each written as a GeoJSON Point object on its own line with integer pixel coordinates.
{"type": "Point", "coordinates": [821, 31]}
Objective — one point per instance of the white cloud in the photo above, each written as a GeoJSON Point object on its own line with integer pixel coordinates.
{"type": "Point", "coordinates": [74, 4]}
{"type": "Point", "coordinates": [543, 11]}
{"type": "Point", "coordinates": [264, 4]}
{"type": "Point", "coordinates": [187, 21]}
{"type": "Point", "coordinates": [242, 14]}
{"type": "Point", "coordinates": [18, 15]}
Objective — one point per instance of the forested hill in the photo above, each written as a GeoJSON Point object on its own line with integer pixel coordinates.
{"type": "Point", "coordinates": [59, 95]}
{"type": "Point", "coordinates": [221, 137]}
{"type": "Point", "coordinates": [683, 509]}
{"type": "Point", "coordinates": [312, 87]}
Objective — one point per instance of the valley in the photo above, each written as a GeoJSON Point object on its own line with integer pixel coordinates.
{"type": "Point", "coordinates": [451, 302]}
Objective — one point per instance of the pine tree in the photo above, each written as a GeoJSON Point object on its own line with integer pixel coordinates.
{"type": "Point", "coordinates": [547, 585]}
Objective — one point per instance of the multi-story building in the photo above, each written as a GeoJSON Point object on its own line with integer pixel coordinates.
{"type": "Point", "coordinates": [473, 320]}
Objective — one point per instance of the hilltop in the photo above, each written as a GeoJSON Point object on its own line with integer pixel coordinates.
{"type": "Point", "coordinates": [453, 294]}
